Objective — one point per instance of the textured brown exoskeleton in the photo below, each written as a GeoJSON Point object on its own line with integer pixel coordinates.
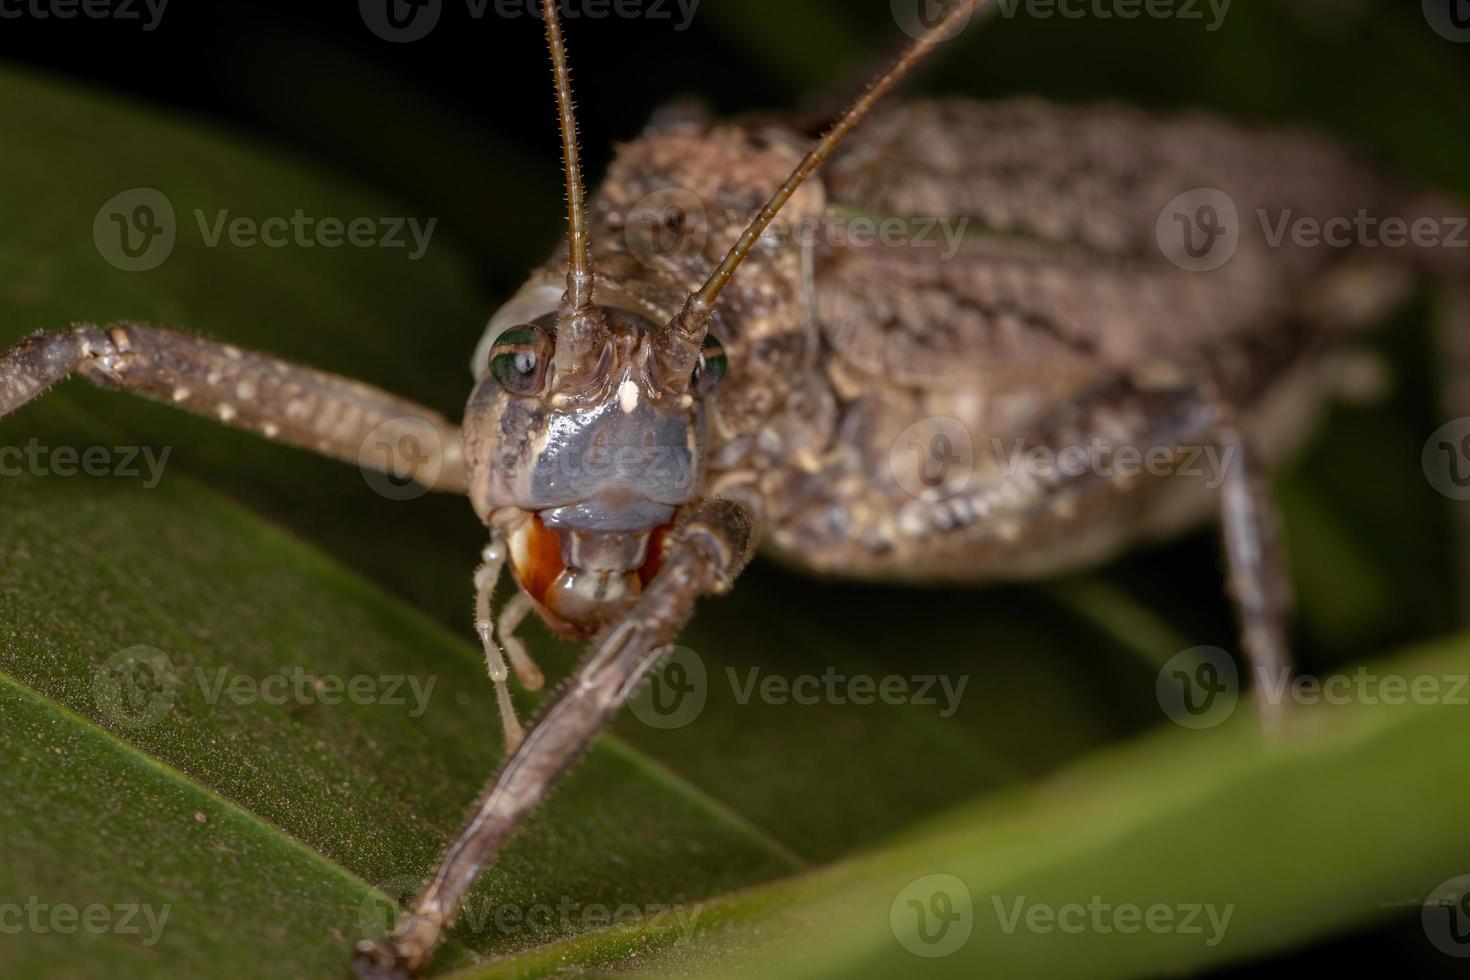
{"type": "Point", "coordinates": [854, 411]}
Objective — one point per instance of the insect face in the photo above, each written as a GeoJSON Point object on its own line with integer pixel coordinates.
{"type": "Point", "coordinates": [582, 464]}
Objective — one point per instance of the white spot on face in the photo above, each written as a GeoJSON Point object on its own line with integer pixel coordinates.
{"type": "Point", "coordinates": [232, 352]}
{"type": "Point", "coordinates": [180, 394]}
{"type": "Point", "coordinates": [246, 390]}
{"type": "Point", "coordinates": [226, 412]}
{"type": "Point", "coordinates": [271, 430]}
{"type": "Point", "coordinates": [628, 396]}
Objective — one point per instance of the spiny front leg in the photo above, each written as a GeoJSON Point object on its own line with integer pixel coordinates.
{"type": "Point", "coordinates": [323, 412]}
{"type": "Point", "coordinates": [704, 556]}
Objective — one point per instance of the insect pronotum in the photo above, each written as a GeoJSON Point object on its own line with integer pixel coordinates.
{"type": "Point", "coordinates": [817, 398]}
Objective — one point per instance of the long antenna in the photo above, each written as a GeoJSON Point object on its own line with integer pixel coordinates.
{"type": "Point", "coordinates": [579, 270]}
{"type": "Point", "coordinates": [686, 331]}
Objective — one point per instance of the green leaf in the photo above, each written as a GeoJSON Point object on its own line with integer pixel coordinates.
{"type": "Point", "coordinates": [1244, 841]}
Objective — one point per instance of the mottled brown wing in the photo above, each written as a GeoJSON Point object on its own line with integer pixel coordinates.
{"type": "Point", "coordinates": [1061, 274]}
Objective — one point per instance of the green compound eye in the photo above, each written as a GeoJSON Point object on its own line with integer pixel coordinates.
{"type": "Point", "coordinates": [713, 364]}
{"type": "Point", "coordinates": [519, 359]}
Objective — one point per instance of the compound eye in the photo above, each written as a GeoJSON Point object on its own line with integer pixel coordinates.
{"type": "Point", "coordinates": [713, 364]}
{"type": "Point", "coordinates": [519, 359]}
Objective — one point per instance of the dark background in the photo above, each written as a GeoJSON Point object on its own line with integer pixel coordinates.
{"type": "Point", "coordinates": [431, 121]}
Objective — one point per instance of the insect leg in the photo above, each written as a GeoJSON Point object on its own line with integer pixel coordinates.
{"type": "Point", "coordinates": [1258, 582]}
{"type": "Point", "coordinates": [704, 556]}
{"type": "Point", "coordinates": [1117, 463]}
{"type": "Point", "coordinates": [485, 578]}
{"type": "Point", "coordinates": [286, 402]}
{"type": "Point", "coordinates": [1188, 408]}
{"type": "Point", "coordinates": [511, 616]}
{"type": "Point", "coordinates": [1194, 411]}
